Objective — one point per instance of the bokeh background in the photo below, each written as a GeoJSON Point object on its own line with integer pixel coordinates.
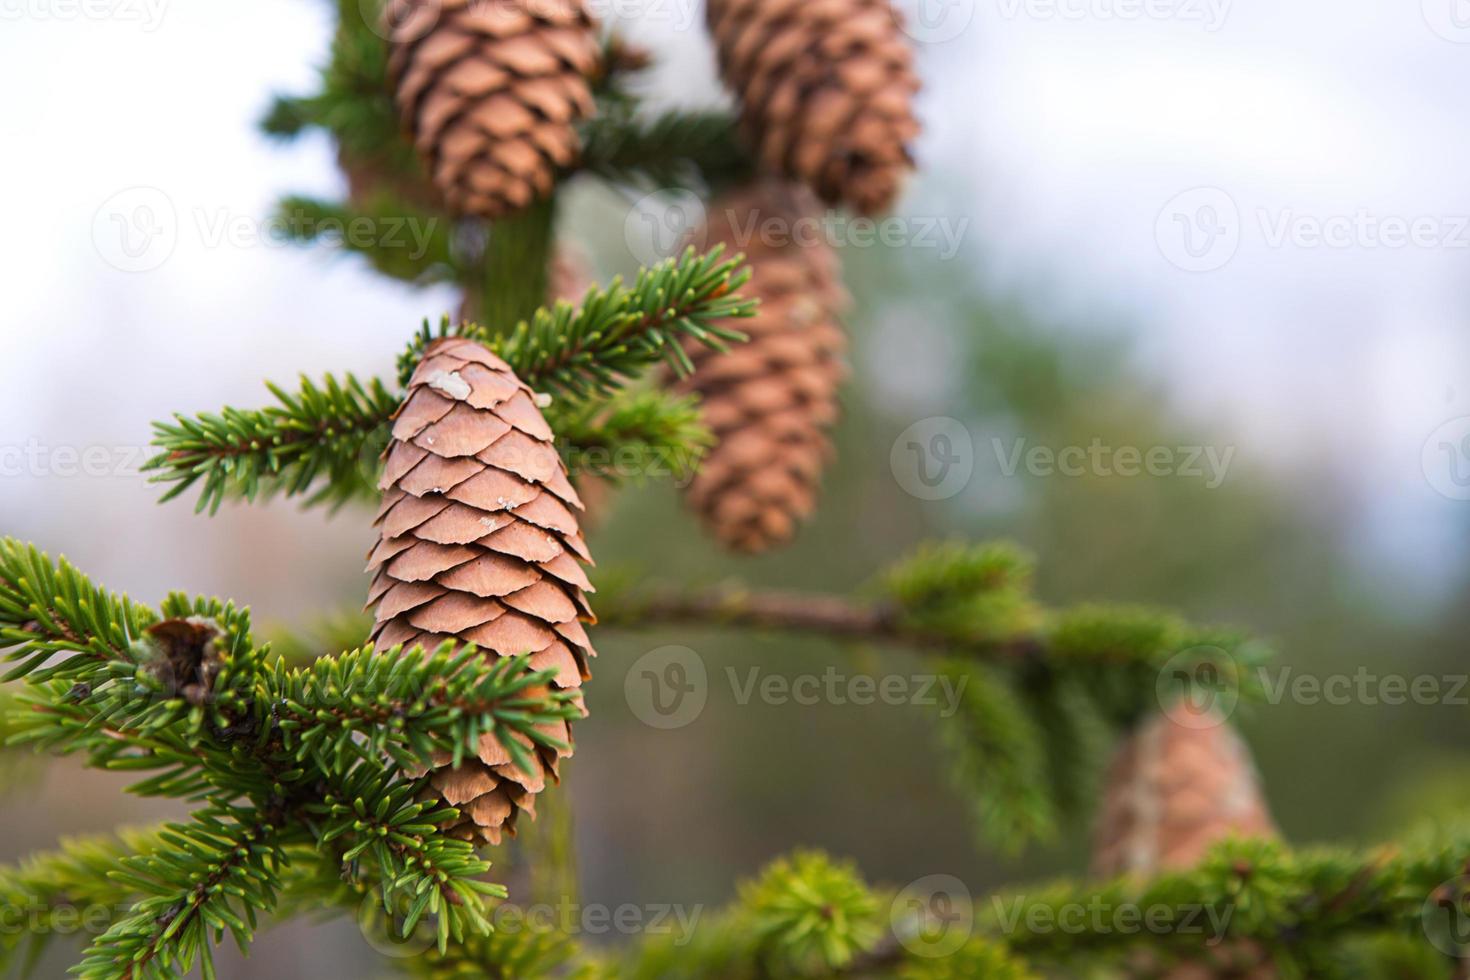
{"type": "Point", "coordinates": [1241, 226]}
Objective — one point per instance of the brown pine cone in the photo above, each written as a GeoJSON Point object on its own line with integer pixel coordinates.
{"type": "Point", "coordinates": [1177, 786]}
{"type": "Point", "coordinates": [491, 90]}
{"type": "Point", "coordinates": [1180, 784]}
{"type": "Point", "coordinates": [770, 402]}
{"type": "Point", "coordinates": [826, 90]}
{"type": "Point", "coordinates": [479, 543]}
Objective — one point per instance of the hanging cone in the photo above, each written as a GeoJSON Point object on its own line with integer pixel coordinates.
{"type": "Point", "coordinates": [479, 543]}
{"type": "Point", "coordinates": [491, 91]}
{"type": "Point", "coordinates": [826, 90]}
{"type": "Point", "coordinates": [770, 402]}
{"type": "Point", "coordinates": [1180, 784]}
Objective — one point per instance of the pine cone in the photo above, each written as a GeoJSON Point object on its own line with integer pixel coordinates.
{"type": "Point", "coordinates": [825, 88]}
{"type": "Point", "coordinates": [1180, 784]}
{"type": "Point", "coordinates": [491, 90]}
{"type": "Point", "coordinates": [771, 401]}
{"type": "Point", "coordinates": [479, 543]}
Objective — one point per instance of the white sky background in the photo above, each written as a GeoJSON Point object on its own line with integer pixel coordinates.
{"type": "Point", "coordinates": [1062, 129]}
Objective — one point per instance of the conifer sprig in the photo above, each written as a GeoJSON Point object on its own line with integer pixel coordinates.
{"type": "Point", "coordinates": [1016, 754]}
{"type": "Point", "coordinates": [677, 148]}
{"type": "Point", "coordinates": [327, 755]}
{"type": "Point", "coordinates": [634, 436]}
{"type": "Point", "coordinates": [213, 875]}
{"type": "Point", "coordinates": [321, 439]}
{"type": "Point", "coordinates": [619, 331]}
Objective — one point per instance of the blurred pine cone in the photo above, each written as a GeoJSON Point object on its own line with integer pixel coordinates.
{"type": "Point", "coordinates": [826, 90]}
{"type": "Point", "coordinates": [491, 90]}
{"type": "Point", "coordinates": [479, 543]}
{"type": "Point", "coordinates": [1180, 784]}
{"type": "Point", "coordinates": [1177, 786]}
{"type": "Point", "coordinates": [770, 402]}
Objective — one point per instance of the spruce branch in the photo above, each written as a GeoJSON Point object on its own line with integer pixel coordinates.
{"type": "Point", "coordinates": [677, 148]}
{"type": "Point", "coordinates": [321, 439]}
{"type": "Point", "coordinates": [215, 874]}
{"type": "Point", "coordinates": [634, 436]}
{"type": "Point", "coordinates": [399, 241]}
{"type": "Point", "coordinates": [1301, 907]}
{"type": "Point", "coordinates": [67, 889]}
{"type": "Point", "coordinates": [329, 755]}
{"type": "Point", "coordinates": [619, 331]}
{"type": "Point", "coordinates": [409, 707]}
